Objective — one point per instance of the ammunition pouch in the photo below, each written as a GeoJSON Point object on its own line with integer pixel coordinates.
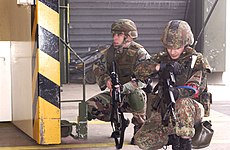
{"type": "Point", "coordinates": [206, 100]}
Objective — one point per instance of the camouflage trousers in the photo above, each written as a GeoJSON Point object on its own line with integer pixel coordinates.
{"type": "Point", "coordinates": [153, 135]}
{"type": "Point", "coordinates": [99, 107]}
{"type": "Point", "coordinates": [188, 112]}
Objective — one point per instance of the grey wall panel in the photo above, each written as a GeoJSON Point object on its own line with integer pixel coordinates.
{"type": "Point", "coordinates": [215, 35]}
{"type": "Point", "coordinates": [90, 20]}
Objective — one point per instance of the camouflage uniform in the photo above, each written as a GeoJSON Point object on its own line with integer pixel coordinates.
{"type": "Point", "coordinates": [99, 106]}
{"type": "Point", "coordinates": [188, 109]}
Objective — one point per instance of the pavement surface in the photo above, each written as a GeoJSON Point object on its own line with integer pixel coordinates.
{"type": "Point", "coordinates": [99, 132]}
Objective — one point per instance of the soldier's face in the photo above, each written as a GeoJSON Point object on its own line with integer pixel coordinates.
{"type": "Point", "coordinates": [118, 39]}
{"type": "Point", "coordinates": [175, 53]}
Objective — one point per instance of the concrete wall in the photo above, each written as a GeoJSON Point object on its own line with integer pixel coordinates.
{"type": "Point", "coordinates": [35, 88]}
{"type": "Point", "coordinates": [214, 35]}
{"type": "Point", "coordinates": [21, 61]}
{"type": "Point", "coordinates": [5, 82]}
{"type": "Point", "coordinates": [15, 27]}
{"type": "Point", "coordinates": [5, 77]}
{"type": "Point", "coordinates": [5, 22]}
{"type": "Point", "coordinates": [226, 75]}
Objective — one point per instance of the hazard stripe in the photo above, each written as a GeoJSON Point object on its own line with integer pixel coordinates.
{"type": "Point", "coordinates": [51, 4]}
{"type": "Point", "coordinates": [49, 67]}
{"type": "Point", "coordinates": [47, 103]}
{"type": "Point", "coordinates": [49, 90]}
{"type": "Point", "coordinates": [48, 42]}
{"type": "Point", "coordinates": [47, 123]}
{"type": "Point", "coordinates": [47, 110]}
{"type": "Point", "coordinates": [48, 18]}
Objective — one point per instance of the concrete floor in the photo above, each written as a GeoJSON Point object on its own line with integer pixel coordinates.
{"type": "Point", "coordinates": [99, 132]}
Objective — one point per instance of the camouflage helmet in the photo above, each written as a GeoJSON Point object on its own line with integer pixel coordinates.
{"type": "Point", "coordinates": [125, 25]}
{"type": "Point", "coordinates": [177, 34]}
{"type": "Point", "coordinates": [137, 99]}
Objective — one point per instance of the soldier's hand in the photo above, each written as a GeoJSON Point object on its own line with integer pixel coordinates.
{"type": "Point", "coordinates": [109, 84]}
{"type": "Point", "coordinates": [134, 84]}
{"type": "Point", "coordinates": [164, 70]}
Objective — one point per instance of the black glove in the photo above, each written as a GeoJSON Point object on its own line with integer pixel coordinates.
{"type": "Point", "coordinates": [174, 67]}
{"type": "Point", "coordinates": [177, 68]}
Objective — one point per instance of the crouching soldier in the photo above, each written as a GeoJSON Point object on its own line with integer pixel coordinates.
{"type": "Point", "coordinates": [181, 90]}
{"type": "Point", "coordinates": [126, 54]}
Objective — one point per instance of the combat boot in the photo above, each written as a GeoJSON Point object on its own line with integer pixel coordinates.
{"type": "Point", "coordinates": [90, 116]}
{"type": "Point", "coordinates": [174, 140]}
{"type": "Point", "coordinates": [132, 142]}
{"type": "Point", "coordinates": [185, 144]}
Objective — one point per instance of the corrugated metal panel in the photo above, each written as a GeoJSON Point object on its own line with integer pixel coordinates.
{"type": "Point", "coordinates": [90, 20]}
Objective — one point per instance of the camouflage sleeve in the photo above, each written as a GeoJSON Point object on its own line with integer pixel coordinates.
{"type": "Point", "coordinates": [143, 55]}
{"type": "Point", "coordinates": [100, 71]}
{"type": "Point", "coordinates": [198, 80]}
{"type": "Point", "coordinates": [195, 82]}
{"type": "Point", "coordinates": [145, 68]}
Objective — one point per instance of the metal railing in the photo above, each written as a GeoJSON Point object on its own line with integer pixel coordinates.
{"type": "Point", "coordinates": [81, 126]}
{"type": "Point", "coordinates": [83, 83]}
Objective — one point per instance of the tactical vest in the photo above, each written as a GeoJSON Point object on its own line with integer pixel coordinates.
{"type": "Point", "coordinates": [125, 61]}
{"type": "Point", "coordinates": [185, 60]}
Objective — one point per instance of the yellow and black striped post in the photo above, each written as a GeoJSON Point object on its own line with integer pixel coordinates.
{"type": "Point", "coordinates": [46, 74]}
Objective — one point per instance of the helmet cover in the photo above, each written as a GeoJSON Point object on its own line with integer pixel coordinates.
{"type": "Point", "coordinates": [177, 34]}
{"type": "Point", "coordinates": [125, 25]}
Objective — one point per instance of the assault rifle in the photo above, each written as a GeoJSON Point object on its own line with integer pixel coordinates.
{"type": "Point", "coordinates": [118, 121]}
{"type": "Point", "coordinates": [169, 83]}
